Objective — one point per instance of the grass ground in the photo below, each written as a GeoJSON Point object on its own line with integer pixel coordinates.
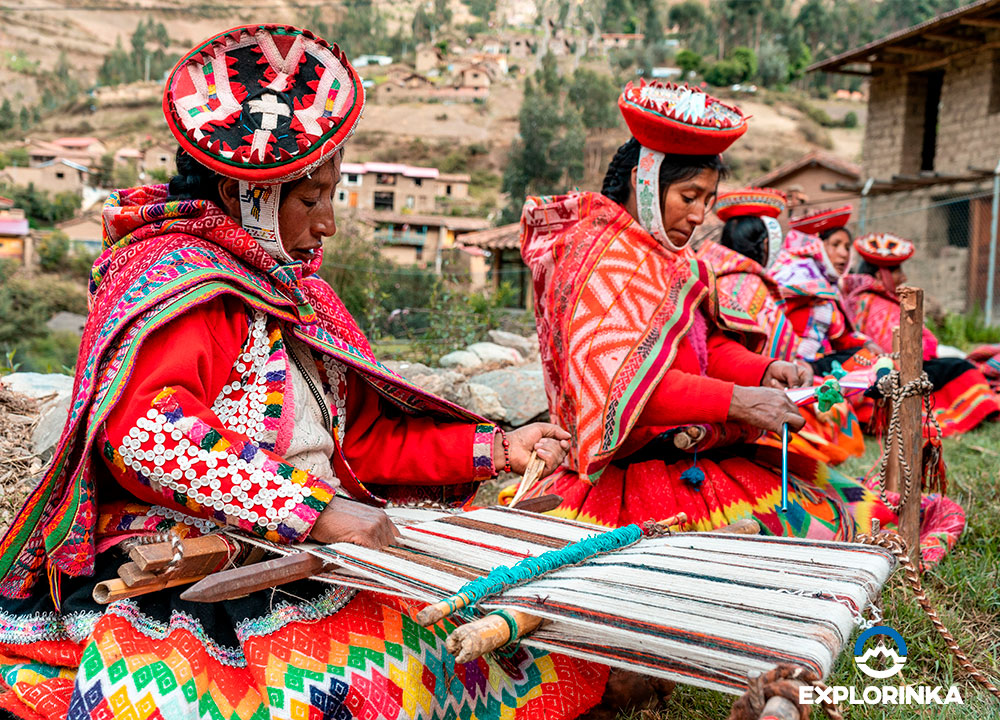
{"type": "Point", "coordinates": [965, 588]}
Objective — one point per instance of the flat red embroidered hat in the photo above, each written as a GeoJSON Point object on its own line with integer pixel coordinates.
{"type": "Point", "coordinates": [884, 249]}
{"type": "Point", "coordinates": [263, 103]}
{"type": "Point", "coordinates": [755, 202]}
{"type": "Point", "coordinates": [679, 120]}
{"type": "Point", "coordinates": [817, 222]}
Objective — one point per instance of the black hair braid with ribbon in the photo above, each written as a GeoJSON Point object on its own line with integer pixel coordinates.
{"type": "Point", "coordinates": [747, 235]}
{"type": "Point", "coordinates": [675, 168]}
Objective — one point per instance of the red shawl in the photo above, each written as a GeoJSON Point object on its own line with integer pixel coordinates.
{"type": "Point", "coordinates": [161, 259]}
{"type": "Point", "coordinates": [612, 306]}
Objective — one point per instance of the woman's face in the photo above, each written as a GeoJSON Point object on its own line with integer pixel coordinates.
{"type": "Point", "coordinates": [306, 214]}
{"type": "Point", "coordinates": [838, 249]}
{"type": "Point", "coordinates": [686, 203]}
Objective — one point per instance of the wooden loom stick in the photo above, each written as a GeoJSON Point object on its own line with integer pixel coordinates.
{"type": "Point", "coordinates": [486, 634]}
{"type": "Point", "coordinates": [540, 504]}
{"type": "Point", "coordinates": [479, 637]}
{"type": "Point", "coordinates": [116, 589]}
{"type": "Point", "coordinates": [258, 576]}
{"type": "Point", "coordinates": [201, 554]}
{"type": "Point", "coordinates": [532, 472]}
{"type": "Point", "coordinates": [911, 325]}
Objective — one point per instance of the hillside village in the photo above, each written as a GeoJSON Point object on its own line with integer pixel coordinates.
{"type": "Point", "coordinates": [430, 182]}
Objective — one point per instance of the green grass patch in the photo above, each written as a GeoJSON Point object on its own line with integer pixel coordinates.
{"type": "Point", "coordinates": [965, 589]}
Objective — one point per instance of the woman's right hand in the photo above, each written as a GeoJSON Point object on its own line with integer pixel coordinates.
{"type": "Point", "coordinates": [765, 408]}
{"type": "Point", "coordinates": [344, 520]}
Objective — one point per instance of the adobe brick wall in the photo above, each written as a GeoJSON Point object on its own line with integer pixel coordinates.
{"type": "Point", "coordinates": [967, 131]}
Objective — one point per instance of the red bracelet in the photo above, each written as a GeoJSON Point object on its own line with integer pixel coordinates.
{"type": "Point", "coordinates": [506, 451]}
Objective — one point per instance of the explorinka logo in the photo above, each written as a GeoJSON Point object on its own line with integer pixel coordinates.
{"type": "Point", "coordinates": [881, 662]}
{"type": "Point", "coordinates": [897, 657]}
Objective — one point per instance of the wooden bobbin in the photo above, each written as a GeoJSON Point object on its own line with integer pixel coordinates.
{"type": "Point", "coordinates": [475, 639]}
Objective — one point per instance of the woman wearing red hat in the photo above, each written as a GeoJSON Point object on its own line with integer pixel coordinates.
{"type": "Point", "coordinates": [812, 260]}
{"type": "Point", "coordinates": [639, 348]}
{"type": "Point", "coordinates": [962, 396]}
{"type": "Point", "coordinates": [220, 383]}
{"type": "Point", "coordinates": [750, 238]}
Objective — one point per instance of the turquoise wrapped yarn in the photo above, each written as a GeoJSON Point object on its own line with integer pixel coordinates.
{"type": "Point", "coordinates": [505, 576]}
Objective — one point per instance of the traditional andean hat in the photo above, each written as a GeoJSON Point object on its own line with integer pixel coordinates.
{"type": "Point", "coordinates": [884, 249]}
{"type": "Point", "coordinates": [817, 222]}
{"type": "Point", "coordinates": [764, 203]}
{"type": "Point", "coordinates": [678, 120]}
{"type": "Point", "coordinates": [754, 201]}
{"type": "Point", "coordinates": [263, 104]}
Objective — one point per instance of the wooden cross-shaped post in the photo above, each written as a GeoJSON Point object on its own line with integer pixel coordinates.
{"type": "Point", "coordinates": [908, 342]}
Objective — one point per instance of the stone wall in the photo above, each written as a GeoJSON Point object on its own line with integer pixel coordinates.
{"type": "Point", "coordinates": [967, 130]}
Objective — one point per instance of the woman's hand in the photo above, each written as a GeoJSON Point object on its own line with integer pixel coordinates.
{"type": "Point", "coordinates": [345, 520]}
{"type": "Point", "coordinates": [550, 442]}
{"type": "Point", "coordinates": [766, 408]}
{"type": "Point", "coordinates": [782, 375]}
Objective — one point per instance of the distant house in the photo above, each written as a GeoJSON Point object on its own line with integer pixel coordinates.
{"type": "Point", "coordinates": [91, 146]}
{"type": "Point", "coordinates": [85, 233]}
{"type": "Point", "coordinates": [931, 146]}
{"type": "Point", "coordinates": [54, 176]}
{"type": "Point", "coordinates": [506, 266]}
{"type": "Point", "coordinates": [520, 47]}
{"type": "Point", "coordinates": [396, 187]}
{"type": "Point", "coordinates": [13, 233]}
{"type": "Point", "coordinates": [415, 239]}
{"type": "Point", "coordinates": [128, 156]}
{"type": "Point", "coordinates": [474, 78]}
{"type": "Point", "coordinates": [159, 157]}
{"type": "Point", "coordinates": [809, 174]}
{"type": "Point", "coordinates": [619, 41]}
{"type": "Point", "coordinates": [41, 152]}
{"type": "Point", "coordinates": [428, 58]}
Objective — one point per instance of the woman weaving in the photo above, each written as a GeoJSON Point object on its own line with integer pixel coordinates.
{"type": "Point", "coordinates": [750, 239]}
{"type": "Point", "coordinates": [962, 396]}
{"type": "Point", "coordinates": [220, 382]}
{"type": "Point", "coordinates": [638, 347]}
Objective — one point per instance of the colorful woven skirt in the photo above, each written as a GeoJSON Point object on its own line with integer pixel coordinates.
{"type": "Point", "coordinates": [306, 651]}
{"type": "Point", "coordinates": [742, 481]}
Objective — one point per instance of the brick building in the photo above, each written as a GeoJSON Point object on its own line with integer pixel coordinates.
{"type": "Point", "coordinates": [931, 145]}
{"type": "Point", "coordinates": [398, 188]}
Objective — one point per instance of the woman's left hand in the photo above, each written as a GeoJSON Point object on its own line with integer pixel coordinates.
{"type": "Point", "coordinates": [784, 375]}
{"type": "Point", "coordinates": [549, 441]}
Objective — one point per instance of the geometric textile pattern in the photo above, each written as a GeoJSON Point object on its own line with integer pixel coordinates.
{"type": "Point", "coordinates": [263, 103]}
{"type": "Point", "coordinates": [368, 660]}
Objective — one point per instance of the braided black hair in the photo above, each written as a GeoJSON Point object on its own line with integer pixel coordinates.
{"type": "Point", "coordinates": [194, 181]}
{"type": "Point", "coordinates": [867, 268]}
{"type": "Point", "coordinates": [675, 168]}
{"type": "Point", "coordinates": [747, 235]}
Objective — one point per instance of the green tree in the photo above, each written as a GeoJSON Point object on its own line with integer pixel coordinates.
{"type": "Point", "coordinates": [595, 97]}
{"type": "Point", "coordinates": [7, 117]}
{"type": "Point", "coordinates": [547, 75]}
{"type": "Point", "coordinates": [687, 17]}
{"type": "Point", "coordinates": [746, 59]}
{"type": "Point", "coordinates": [548, 152]}
{"type": "Point", "coordinates": [772, 64]}
{"type": "Point", "coordinates": [24, 118]}
{"type": "Point", "coordinates": [52, 249]}
{"type": "Point", "coordinates": [724, 73]}
{"type": "Point", "coordinates": [688, 61]}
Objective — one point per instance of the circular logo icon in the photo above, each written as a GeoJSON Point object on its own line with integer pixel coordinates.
{"type": "Point", "coordinates": [897, 657]}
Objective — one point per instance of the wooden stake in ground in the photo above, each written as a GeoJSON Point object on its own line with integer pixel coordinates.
{"type": "Point", "coordinates": [910, 339]}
